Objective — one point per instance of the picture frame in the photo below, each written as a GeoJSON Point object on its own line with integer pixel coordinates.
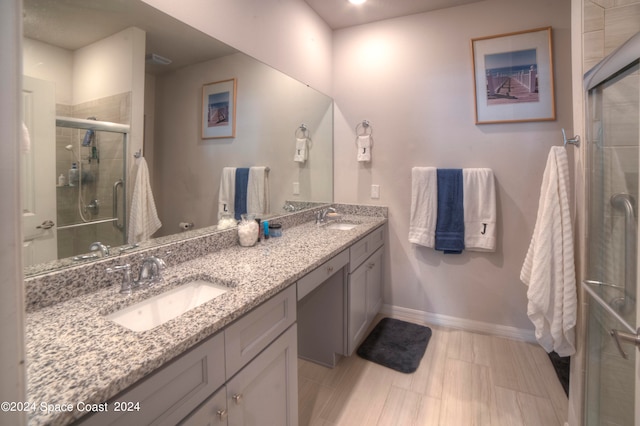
{"type": "Point", "coordinates": [219, 109]}
{"type": "Point", "coordinates": [513, 77]}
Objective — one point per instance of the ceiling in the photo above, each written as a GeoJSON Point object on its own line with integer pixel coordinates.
{"type": "Point", "coordinates": [73, 24]}
{"type": "Point", "coordinates": [340, 13]}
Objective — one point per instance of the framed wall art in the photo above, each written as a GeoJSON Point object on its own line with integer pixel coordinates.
{"type": "Point", "coordinates": [219, 109]}
{"type": "Point", "coordinates": [513, 77]}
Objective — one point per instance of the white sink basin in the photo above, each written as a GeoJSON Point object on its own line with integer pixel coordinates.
{"type": "Point", "coordinates": [159, 309]}
{"type": "Point", "coordinates": [342, 226]}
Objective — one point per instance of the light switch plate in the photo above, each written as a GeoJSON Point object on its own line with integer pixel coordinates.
{"type": "Point", "coordinates": [375, 192]}
{"type": "Point", "coordinates": [296, 188]}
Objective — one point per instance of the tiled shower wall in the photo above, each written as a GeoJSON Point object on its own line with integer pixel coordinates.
{"type": "Point", "coordinates": [608, 24]}
{"type": "Point", "coordinates": [99, 174]}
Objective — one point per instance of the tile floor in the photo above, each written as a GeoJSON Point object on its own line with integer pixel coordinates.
{"type": "Point", "coordinates": [464, 378]}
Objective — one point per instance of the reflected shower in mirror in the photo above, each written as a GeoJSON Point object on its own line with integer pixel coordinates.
{"type": "Point", "coordinates": [91, 53]}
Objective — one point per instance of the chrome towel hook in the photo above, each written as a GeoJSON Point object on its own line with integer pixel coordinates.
{"type": "Point", "coordinates": [573, 141]}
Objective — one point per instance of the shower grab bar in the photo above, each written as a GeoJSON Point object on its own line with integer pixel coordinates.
{"type": "Point", "coordinates": [586, 286]}
{"type": "Point", "coordinates": [625, 202]}
{"type": "Point", "coordinates": [92, 222]}
{"type": "Point", "coordinates": [117, 184]}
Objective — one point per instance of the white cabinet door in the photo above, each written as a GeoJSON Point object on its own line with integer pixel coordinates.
{"type": "Point", "coordinates": [265, 392]}
{"type": "Point", "coordinates": [374, 284]}
{"type": "Point", "coordinates": [365, 297]}
{"type": "Point", "coordinates": [357, 307]}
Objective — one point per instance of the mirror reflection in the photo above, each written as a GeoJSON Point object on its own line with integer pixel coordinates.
{"type": "Point", "coordinates": [92, 101]}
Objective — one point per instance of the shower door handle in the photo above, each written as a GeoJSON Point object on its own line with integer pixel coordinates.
{"type": "Point", "coordinates": [116, 185]}
{"type": "Point", "coordinates": [626, 337]}
{"type": "Point", "coordinates": [47, 224]}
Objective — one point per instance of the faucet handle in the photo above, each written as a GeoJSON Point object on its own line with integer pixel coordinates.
{"type": "Point", "coordinates": [127, 282]}
{"type": "Point", "coordinates": [98, 246]}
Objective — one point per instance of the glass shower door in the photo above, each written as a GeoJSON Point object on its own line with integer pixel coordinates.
{"type": "Point", "coordinates": [613, 127]}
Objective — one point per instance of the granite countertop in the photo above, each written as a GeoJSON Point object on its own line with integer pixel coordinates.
{"type": "Point", "coordinates": [76, 355]}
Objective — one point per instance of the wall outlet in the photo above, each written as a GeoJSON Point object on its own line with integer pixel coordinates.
{"type": "Point", "coordinates": [296, 188]}
{"type": "Point", "coordinates": [375, 192]}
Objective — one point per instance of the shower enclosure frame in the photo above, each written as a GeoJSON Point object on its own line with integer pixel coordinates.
{"type": "Point", "coordinates": [104, 126]}
{"type": "Point", "coordinates": [601, 308]}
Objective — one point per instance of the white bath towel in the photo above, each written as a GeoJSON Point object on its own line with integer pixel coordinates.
{"type": "Point", "coordinates": [424, 206]}
{"type": "Point", "coordinates": [227, 192]}
{"type": "Point", "coordinates": [479, 196]}
{"type": "Point", "coordinates": [143, 216]}
{"type": "Point", "coordinates": [364, 143]}
{"type": "Point", "coordinates": [549, 268]}
{"type": "Point", "coordinates": [300, 155]}
{"type": "Point", "coordinates": [258, 190]}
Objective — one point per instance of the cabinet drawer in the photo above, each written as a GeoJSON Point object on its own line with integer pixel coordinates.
{"type": "Point", "coordinates": [362, 249]}
{"type": "Point", "coordinates": [319, 275]}
{"type": "Point", "coordinates": [246, 337]}
{"type": "Point", "coordinates": [171, 393]}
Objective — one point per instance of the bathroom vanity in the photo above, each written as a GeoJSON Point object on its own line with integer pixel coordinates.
{"type": "Point", "coordinates": [223, 359]}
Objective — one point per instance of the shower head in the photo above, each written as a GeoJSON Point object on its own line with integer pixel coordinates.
{"type": "Point", "coordinates": [69, 147]}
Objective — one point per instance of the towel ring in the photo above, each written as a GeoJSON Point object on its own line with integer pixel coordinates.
{"type": "Point", "coordinates": [365, 125]}
{"type": "Point", "coordinates": [304, 130]}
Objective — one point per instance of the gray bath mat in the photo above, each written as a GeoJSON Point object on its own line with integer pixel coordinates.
{"type": "Point", "coordinates": [396, 344]}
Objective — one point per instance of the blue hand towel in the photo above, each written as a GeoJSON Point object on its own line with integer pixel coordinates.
{"type": "Point", "coordinates": [240, 200]}
{"type": "Point", "coordinates": [450, 221]}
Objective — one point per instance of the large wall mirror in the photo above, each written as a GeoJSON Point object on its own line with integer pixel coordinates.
{"type": "Point", "coordinates": [105, 80]}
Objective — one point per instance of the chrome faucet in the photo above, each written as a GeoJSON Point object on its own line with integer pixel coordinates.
{"type": "Point", "coordinates": [322, 214]}
{"type": "Point", "coordinates": [98, 246]}
{"type": "Point", "coordinates": [151, 270]}
{"type": "Point", "coordinates": [150, 273]}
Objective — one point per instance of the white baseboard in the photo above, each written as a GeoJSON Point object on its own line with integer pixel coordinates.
{"type": "Point", "coordinates": [459, 323]}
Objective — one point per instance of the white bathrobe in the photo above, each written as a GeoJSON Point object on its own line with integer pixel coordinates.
{"type": "Point", "coordinates": [549, 268]}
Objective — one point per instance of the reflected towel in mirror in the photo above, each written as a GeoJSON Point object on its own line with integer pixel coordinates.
{"type": "Point", "coordinates": [227, 193]}
{"type": "Point", "coordinates": [143, 217]}
{"type": "Point", "coordinates": [258, 190]}
{"type": "Point", "coordinates": [301, 150]}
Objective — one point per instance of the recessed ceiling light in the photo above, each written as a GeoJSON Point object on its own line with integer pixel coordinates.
{"type": "Point", "coordinates": [357, 1]}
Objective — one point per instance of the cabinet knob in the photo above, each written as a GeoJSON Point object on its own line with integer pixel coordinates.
{"type": "Point", "coordinates": [371, 265]}
{"type": "Point", "coordinates": [237, 398]}
{"type": "Point", "coordinates": [329, 269]}
{"type": "Point", "coordinates": [222, 414]}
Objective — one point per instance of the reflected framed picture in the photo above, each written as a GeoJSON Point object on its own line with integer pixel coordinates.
{"type": "Point", "coordinates": [219, 109]}
{"type": "Point", "coordinates": [513, 77]}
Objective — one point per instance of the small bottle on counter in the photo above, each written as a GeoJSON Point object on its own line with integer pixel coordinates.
{"type": "Point", "coordinates": [62, 180]}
